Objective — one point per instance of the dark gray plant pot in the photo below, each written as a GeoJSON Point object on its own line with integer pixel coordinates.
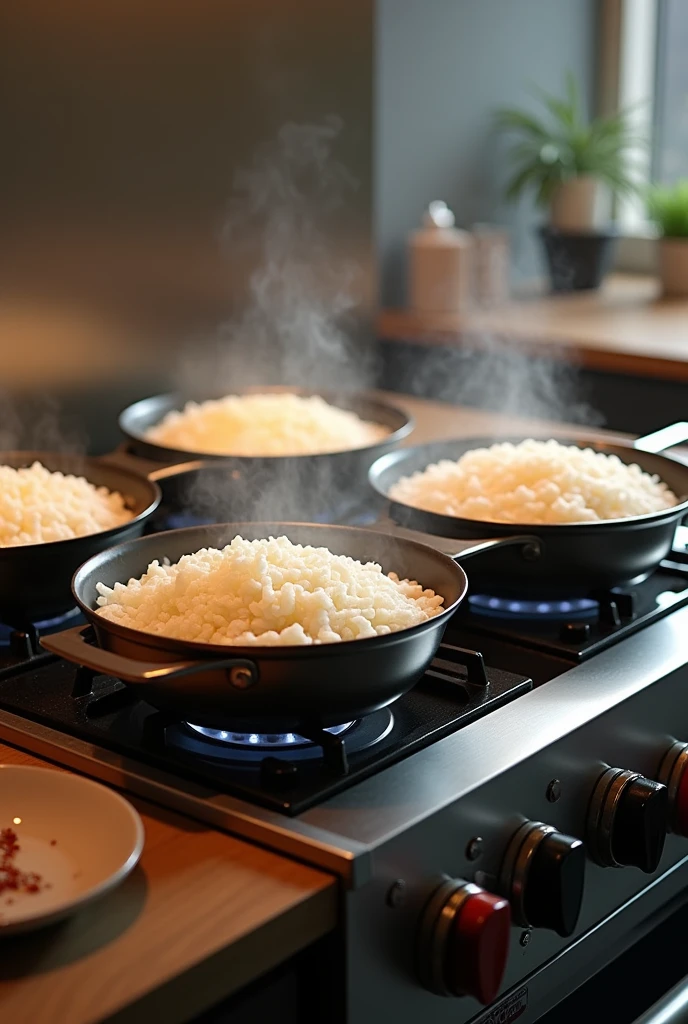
{"type": "Point", "coordinates": [577, 262]}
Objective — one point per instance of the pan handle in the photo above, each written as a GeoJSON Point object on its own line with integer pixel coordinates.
{"type": "Point", "coordinates": [73, 645]}
{"type": "Point", "coordinates": [660, 440]}
{"type": "Point", "coordinates": [121, 458]}
{"type": "Point", "coordinates": [462, 549]}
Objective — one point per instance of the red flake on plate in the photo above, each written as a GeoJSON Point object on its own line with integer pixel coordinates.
{"type": "Point", "coordinates": [11, 878]}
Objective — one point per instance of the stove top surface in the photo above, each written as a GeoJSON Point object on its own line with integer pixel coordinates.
{"type": "Point", "coordinates": [583, 627]}
{"type": "Point", "coordinates": [287, 773]}
{"type": "Point", "coordinates": [523, 641]}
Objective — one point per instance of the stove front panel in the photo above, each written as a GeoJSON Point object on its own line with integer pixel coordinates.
{"type": "Point", "coordinates": [618, 903]}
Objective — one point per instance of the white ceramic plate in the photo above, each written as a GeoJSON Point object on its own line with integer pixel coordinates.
{"type": "Point", "coordinates": [80, 837]}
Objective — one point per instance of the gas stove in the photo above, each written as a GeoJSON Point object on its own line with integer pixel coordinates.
{"type": "Point", "coordinates": [287, 773]}
{"type": "Point", "coordinates": [535, 770]}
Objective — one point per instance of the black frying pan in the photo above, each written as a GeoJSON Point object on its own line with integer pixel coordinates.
{"type": "Point", "coordinates": [553, 560]}
{"type": "Point", "coordinates": [270, 689]}
{"type": "Point", "coordinates": [284, 487]}
{"type": "Point", "coordinates": [35, 578]}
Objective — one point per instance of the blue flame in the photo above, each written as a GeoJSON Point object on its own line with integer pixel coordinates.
{"type": "Point", "coordinates": [263, 740]}
{"type": "Point", "coordinates": [506, 608]}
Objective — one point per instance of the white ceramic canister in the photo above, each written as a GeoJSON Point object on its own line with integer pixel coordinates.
{"type": "Point", "coordinates": [440, 264]}
{"type": "Point", "coordinates": [491, 265]}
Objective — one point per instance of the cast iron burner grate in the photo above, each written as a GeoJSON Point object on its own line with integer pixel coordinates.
{"type": "Point", "coordinates": [19, 642]}
{"type": "Point", "coordinates": [456, 690]}
{"type": "Point", "coordinates": [571, 630]}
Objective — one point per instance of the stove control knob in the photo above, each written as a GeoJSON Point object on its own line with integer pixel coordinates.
{"type": "Point", "coordinates": [543, 875]}
{"type": "Point", "coordinates": [463, 941]}
{"type": "Point", "coordinates": [673, 774]}
{"type": "Point", "coordinates": [627, 823]}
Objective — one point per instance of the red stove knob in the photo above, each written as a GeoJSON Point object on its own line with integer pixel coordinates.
{"type": "Point", "coordinates": [464, 941]}
{"type": "Point", "coordinates": [673, 774]}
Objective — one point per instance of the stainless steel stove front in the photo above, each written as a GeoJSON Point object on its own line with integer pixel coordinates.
{"type": "Point", "coordinates": [623, 709]}
{"type": "Point", "coordinates": [414, 823]}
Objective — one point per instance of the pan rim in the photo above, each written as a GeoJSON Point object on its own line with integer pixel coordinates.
{"type": "Point", "coordinates": [112, 531]}
{"type": "Point", "coordinates": [394, 437]}
{"type": "Point", "coordinates": [390, 458]}
{"type": "Point", "coordinates": [273, 651]}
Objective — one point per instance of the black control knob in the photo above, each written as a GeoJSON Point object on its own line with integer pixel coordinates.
{"type": "Point", "coordinates": [543, 875]}
{"type": "Point", "coordinates": [627, 820]}
{"type": "Point", "coordinates": [673, 773]}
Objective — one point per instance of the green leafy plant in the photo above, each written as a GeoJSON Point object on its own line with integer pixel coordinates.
{"type": "Point", "coordinates": [668, 207]}
{"type": "Point", "coordinates": [564, 144]}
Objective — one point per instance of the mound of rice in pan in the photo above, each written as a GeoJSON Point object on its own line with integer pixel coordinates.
{"type": "Point", "coordinates": [534, 482]}
{"type": "Point", "coordinates": [37, 506]}
{"type": "Point", "coordinates": [267, 592]}
{"type": "Point", "coordinates": [271, 424]}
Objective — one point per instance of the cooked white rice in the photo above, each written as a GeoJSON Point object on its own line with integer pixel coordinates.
{"type": "Point", "coordinates": [271, 424]}
{"type": "Point", "coordinates": [267, 592]}
{"type": "Point", "coordinates": [534, 482]}
{"type": "Point", "coordinates": [37, 506]}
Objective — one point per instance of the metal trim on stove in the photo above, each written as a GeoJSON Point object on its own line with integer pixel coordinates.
{"type": "Point", "coordinates": [448, 770]}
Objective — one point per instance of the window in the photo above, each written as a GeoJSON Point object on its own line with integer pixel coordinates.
{"type": "Point", "coordinates": [670, 139]}
{"type": "Point", "coordinates": [644, 67]}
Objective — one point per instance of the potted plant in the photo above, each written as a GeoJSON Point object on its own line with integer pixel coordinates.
{"type": "Point", "coordinates": [575, 165]}
{"type": "Point", "coordinates": [668, 207]}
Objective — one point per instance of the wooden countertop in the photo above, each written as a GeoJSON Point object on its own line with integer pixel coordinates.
{"type": "Point", "coordinates": [624, 328]}
{"type": "Point", "coordinates": [201, 916]}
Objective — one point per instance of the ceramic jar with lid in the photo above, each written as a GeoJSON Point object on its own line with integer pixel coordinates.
{"type": "Point", "coordinates": [440, 264]}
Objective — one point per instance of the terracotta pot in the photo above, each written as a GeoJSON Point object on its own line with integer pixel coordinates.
{"type": "Point", "coordinates": [673, 266]}
{"type": "Point", "coordinates": [579, 205]}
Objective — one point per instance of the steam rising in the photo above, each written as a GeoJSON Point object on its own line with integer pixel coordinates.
{"type": "Point", "coordinates": [494, 373]}
{"type": "Point", "coordinates": [296, 327]}
{"type": "Point", "coordinates": [37, 422]}
{"type": "Point", "coordinates": [296, 324]}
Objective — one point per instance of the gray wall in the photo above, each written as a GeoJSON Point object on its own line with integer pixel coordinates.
{"type": "Point", "coordinates": [442, 68]}
{"type": "Point", "coordinates": [124, 123]}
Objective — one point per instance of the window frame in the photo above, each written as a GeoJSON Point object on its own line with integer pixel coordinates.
{"type": "Point", "coordinates": [629, 40]}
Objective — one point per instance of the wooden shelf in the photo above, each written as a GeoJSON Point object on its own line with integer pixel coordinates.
{"type": "Point", "coordinates": [624, 328]}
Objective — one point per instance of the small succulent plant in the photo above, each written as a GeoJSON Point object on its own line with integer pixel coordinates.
{"type": "Point", "coordinates": [668, 208]}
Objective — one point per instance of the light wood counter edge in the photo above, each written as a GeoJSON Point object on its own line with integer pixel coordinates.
{"type": "Point", "coordinates": [202, 916]}
{"type": "Point", "coordinates": [623, 328]}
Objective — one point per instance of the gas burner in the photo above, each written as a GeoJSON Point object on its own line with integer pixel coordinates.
{"type": "Point", "coordinates": [45, 626]}
{"type": "Point", "coordinates": [261, 740]}
{"type": "Point", "coordinates": [507, 609]}
{"type": "Point", "coordinates": [178, 522]}
{"type": "Point", "coordinates": [333, 745]}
